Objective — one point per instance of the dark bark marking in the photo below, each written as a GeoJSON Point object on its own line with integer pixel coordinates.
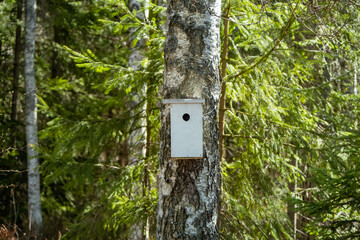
{"type": "Point", "coordinates": [198, 72]}
{"type": "Point", "coordinates": [171, 44]}
{"type": "Point", "coordinates": [192, 6]}
{"type": "Point", "coordinates": [195, 33]}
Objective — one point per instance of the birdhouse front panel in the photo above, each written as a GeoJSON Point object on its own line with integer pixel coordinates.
{"type": "Point", "coordinates": [186, 129]}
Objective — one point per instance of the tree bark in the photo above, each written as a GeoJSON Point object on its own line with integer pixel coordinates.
{"type": "Point", "coordinates": [34, 203]}
{"type": "Point", "coordinates": [55, 62]}
{"type": "Point", "coordinates": [222, 105]}
{"type": "Point", "coordinates": [355, 77]}
{"type": "Point", "coordinates": [189, 188]}
{"type": "Point", "coordinates": [138, 139]}
{"type": "Point", "coordinates": [291, 212]}
{"type": "Point", "coordinates": [17, 50]}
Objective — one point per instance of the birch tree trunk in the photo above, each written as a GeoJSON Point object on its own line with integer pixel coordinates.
{"type": "Point", "coordinates": [189, 188]}
{"type": "Point", "coordinates": [355, 77]}
{"type": "Point", "coordinates": [34, 211]}
{"type": "Point", "coordinates": [139, 230]}
{"type": "Point", "coordinates": [291, 207]}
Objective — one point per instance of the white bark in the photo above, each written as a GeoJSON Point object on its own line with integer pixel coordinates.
{"type": "Point", "coordinates": [137, 138]}
{"type": "Point", "coordinates": [189, 189]}
{"type": "Point", "coordinates": [34, 202]}
{"type": "Point", "coordinates": [355, 84]}
{"type": "Point", "coordinates": [355, 77]}
{"type": "Point", "coordinates": [137, 141]}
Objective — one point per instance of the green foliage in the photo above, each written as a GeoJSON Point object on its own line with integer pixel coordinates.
{"type": "Point", "coordinates": [335, 210]}
{"type": "Point", "coordinates": [13, 171]}
{"type": "Point", "coordinates": [283, 109]}
{"type": "Point", "coordinates": [89, 130]}
{"type": "Point", "coordinates": [291, 130]}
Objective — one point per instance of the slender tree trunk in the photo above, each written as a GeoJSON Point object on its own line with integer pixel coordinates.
{"type": "Point", "coordinates": [17, 50]}
{"type": "Point", "coordinates": [0, 51]}
{"type": "Point", "coordinates": [146, 184]}
{"type": "Point", "coordinates": [222, 105]}
{"type": "Point", "coordinates": [355, 77]}
{"type": "Point", "coordinates": [55, 63]}
{"type": "Point", "coordinates": [189, 188]}
{"type": "Point", "coordinates": [34, 208]}
{"type": "Point", "coordinates": [139, 230]}
{"type": "Point", "coordinates": [291, 207]}
{"type": "Point", "coordinates": [1, 46]}
{"type": "Point", "coordinates": [355, 86]}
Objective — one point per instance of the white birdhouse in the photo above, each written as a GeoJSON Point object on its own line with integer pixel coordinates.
{"type": "Point", "coordinates": [186, 117]}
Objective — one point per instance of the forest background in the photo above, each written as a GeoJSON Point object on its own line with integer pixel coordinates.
{"type": "Point", "coordinates": [290, 162]}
